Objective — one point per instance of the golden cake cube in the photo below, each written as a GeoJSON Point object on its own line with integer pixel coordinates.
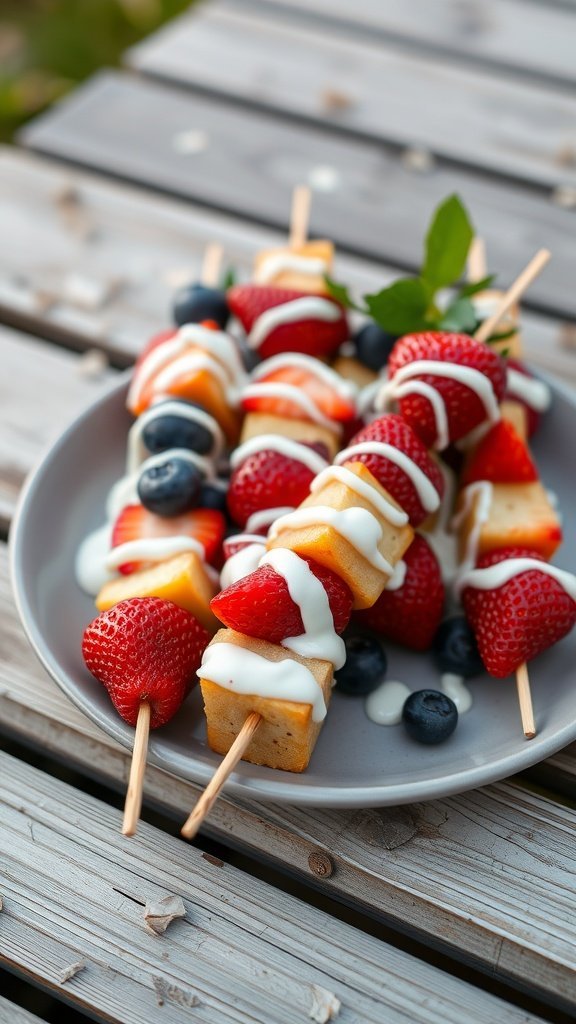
{"type": "Point", "coordinates": [286, 267]}
{"type": "Point", "coordinates": [326, 545]}
{"type": "Point", "coordinates": [519, 515]}
{"type": "Point", "coordinates": [352, 369]}
{"type": "Point", "coordinates": [182, 580]}
{"type": "Point", "coordinates": [258, 423]}
{"type": "Point", "coordinates": [515, 413]}
{"type": "Point", "coordinates": [286, 736]}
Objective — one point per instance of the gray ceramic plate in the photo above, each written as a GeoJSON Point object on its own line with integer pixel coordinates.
{"type": "Point", "coordinates": [355, 763]}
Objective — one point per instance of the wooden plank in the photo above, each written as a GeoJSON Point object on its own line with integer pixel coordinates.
{"type": "Point", "coordinates": [161, 241]}
{"type": "Point", "coordinates": [247, 163]}
{"type": "Point", "coordinates": [465, 874]}
{"type": "Point", "coordinates": [529, 39]}
{"type": "Point", "coordinates": [12, 1014]}
{"type": "Point", "coordinates": [369, 89]}
{"type": "Point", "coordinates": [53, 387]}
{"type": "Point", "coordinates": [75, 892]}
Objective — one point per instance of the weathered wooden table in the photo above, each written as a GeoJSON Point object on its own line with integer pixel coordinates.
{"type": "Point", "coordinates": [461, 910]}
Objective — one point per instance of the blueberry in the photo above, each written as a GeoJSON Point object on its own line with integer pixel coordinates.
{"type": "Point", "coordinates": [173, 431]}
{"type": "Point", "coordinates": [373, 346]}
{"type": "Point", "coordinates": [455, 648]}
{"type": "Point", "coordinates": [195, 302]}
{"type": "Point", "coordinates": [365, 666]}
{"type": "Point", "coordinates": [429, 716]}
{"type": "Point", "coordinates": [170, 488]}
{"type": "Point", "coordinates": [213, 496]}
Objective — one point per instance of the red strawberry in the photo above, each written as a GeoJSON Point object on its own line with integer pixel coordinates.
{"type": "Point", "coordinates": [145, 649]}
{"type": "Point", "coordinates": [410, 615]}
{"type": "Point", "coordinates": [235, 543]}
{"type": "Point", "coordinates": [206, 525]}
{"type": "Point", "coordinates": [311, 335]}
{"type": "Point", "coordinates": [267, 479]}
{"type": "Point", "coordinates": [502, 457]}
{"type": "Point", "coordinates": [533, 417]}
{"type": "Point", "coordinates": [154, 342]}
{"type": "Point", "coordinates": [392, 429]}
{"type": "Point", "coordinates": [260, 604]}
{"type": "Point", "coordinates": [330, 393]}
{"type": "Point", "coordinates": [464, 409]}
{"type": "Point", "coordinates": [520, 619]}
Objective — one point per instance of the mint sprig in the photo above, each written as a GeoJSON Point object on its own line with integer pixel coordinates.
{"type": "Point", "coordinates": [409, 304]}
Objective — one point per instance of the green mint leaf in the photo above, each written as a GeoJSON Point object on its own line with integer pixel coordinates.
{"type": "Point", "coordinates": [460, 316]}
{"type": "Point", "coordinates": [476, 286]}
{"type": "Point", "coordinates": [503, 336]}
{"type": "Point", "coordinates": [402, 306]}
{"type": "Point", "coordinates": [341, 293]}
{"type": "Point", "coordinates": [228, 279]}
{"type": "Point", "coordinates": [447, 243]}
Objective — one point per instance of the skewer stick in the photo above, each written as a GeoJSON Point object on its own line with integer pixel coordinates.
{"type": "Point", "coordinates": [211, 793]}
{"type": "Point", "coordinates": [212, 264]}
{"type": "Point", "coordinates": [477, 269]}
{"type": "Point", "coordinates": [516, 290]}
{"type": "Point", "coordinates": [300, 216]}
{"type": "Point", "coordinates": [133, 804]}
{"type": "Point", "coordinates": [525, 701]}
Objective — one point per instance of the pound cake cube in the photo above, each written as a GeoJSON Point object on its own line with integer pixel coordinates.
{"type": "Point", "coordinates": [182, 580]}
{"type": "Point", "coordinates": [258, 423]}
{"type": "Point", "coordinates": [325, 545]}
{"type": "Point", "coordinates": [352, 369]}
{"type": "Point", "coordinates": [520, 515]}
{"type": "Point", "coordinates": [287, 734]}
{"type": "Point", "coordinates": [293, 278]}
{"type": "Point", "coordinates": [515, 413]}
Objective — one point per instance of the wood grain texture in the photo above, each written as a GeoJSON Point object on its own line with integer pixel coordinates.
{"type": "Point", "coordinates": [486, 876]}
{"type": "Point", "coordinates": [41, 389]}
{"type": "Point", "coordinates": [370, 89]}
{"type": "Point", "coordinates": [364, 196]}
{"type": "Point", "coordinates": [153, 242]}
{"type": "Point", "coordinates": [531, 39]}
{"type": "Point", "coordinates": [12, 1014]}
{"type": "Point", "coordinates": [245, 952]}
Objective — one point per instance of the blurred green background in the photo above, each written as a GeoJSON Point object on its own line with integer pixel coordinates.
{"type": "Point", "coordinates": [48, 46]}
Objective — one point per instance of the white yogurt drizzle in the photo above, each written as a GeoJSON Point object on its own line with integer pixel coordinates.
{"type": "Point", "coordinates": [243, 671]}
{"type": "Point", "coordinates": [311, 307]}
{"type": "Point", "coordinates": [427, 493]}
{"type": "Point", "coordinates": [442, 541]}
{"type": "Point", "coordinates": [190, 336]}
{"type": "Point", "coordinates": [455, 688]}
{"type": "Point", "coordinates": [478, 496]}
{"type": "Point", "coordinates": [345, 476]}
{"type": "Point", "coordinates": [494, 576]}
{"type": "Point", "coordinates": [276, 389]}
{"type": "Point", "coordinates": [266, 516]}
{"type": "Point", "coordinates": [288, 262]}
{"type": "Point", "coordinates": [384, 705]}
{"type": "Point", "coordinates": [345, 388]}
{"type": "Point", "coordinates": [90, 571]}
{"type": "Point", "coordinates": [398, 577]}
{"type": "Point", "coordinates": [243, 562]}
{"type": "Point", "coordinates": [284, 446]}
{"type": "Point", "coordinates": [319, 638]}
{"type": "Point", "coordinates": [136, 448]}
{"type": "Point", "coordinates": [368, 395]}
{"type": "Point", "coordinates": [532, 392]}
{"type": "Point", "coordinates": [356, 525]}
{"type": "Point", "coordinates": [152, 549]}
{"type": "Point", "coordinates": [403, 384]}
{"type": "Point", "coordinates": [189, 364]}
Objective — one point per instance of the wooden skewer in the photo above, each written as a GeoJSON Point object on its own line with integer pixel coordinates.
{"type": "Point", "coordinates": [212, 264]}
{"type": "Point", "coordinates": [477, 260]}
{"type": "Point", "coordinates": [300, 216]}
{"type": "Point", "coordinates": [133, 804]}
{"type": "Point", "coordinates": [525, 701]}
{"type": "Point", "coordinates": [211, 793]}
{"type": "Point", "coordinates": [535, 267]}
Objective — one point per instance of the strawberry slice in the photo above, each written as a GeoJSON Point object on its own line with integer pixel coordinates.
{"type": "Point", "coordinates": [410, 615]}
{"type": "Point", "coordinates": [260, 605]}
{"type": "Point", "coordinates": [311, 333]}
{"type": "Point", "coordinates": [518, 620]}
{"type": "Point", "coordinates": [331, 395]}
{"type": "Point", "coordinates": [464, 408]}
{"type": "Point", "coordinates": [392, 430]}
{"type": "Point", "coordinates": [267, 479]}
{"type": "Point", "coordinates": [206, 525]}
{"type": "Point", "coordinates": [502, 457]}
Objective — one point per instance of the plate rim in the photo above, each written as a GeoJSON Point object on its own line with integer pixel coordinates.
{"type": "Point", "coordinates": [251, 787]}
